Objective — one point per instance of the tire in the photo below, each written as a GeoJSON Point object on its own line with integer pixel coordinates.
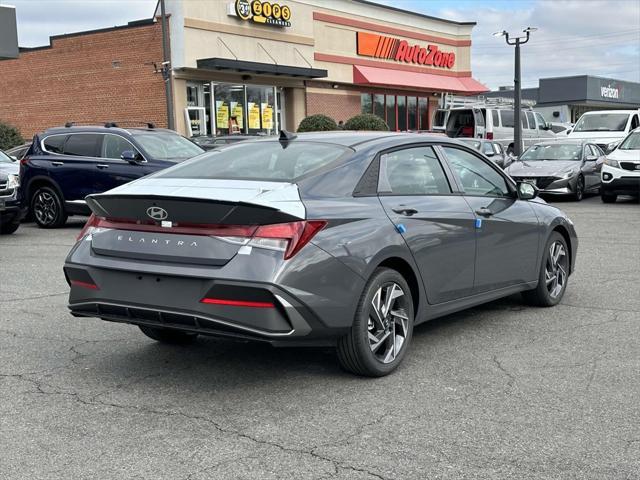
{"type": "Point", "coordinates": [549, 292]}
{"type": "Point", "coordinates": [9, 228]}
{"type": "Point", "coordinates": [608, 197]}
{"type": "Point", "coordinates": [357, 352]}
{"type": "Point", "coordinates": [168, 335]}
{"type": "Point", "coordinates": [579, 193]}
{"type": "Point", "coordinates": [48, 208]}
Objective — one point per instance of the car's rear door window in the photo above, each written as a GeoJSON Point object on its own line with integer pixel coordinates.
{"type": "Point", "coordinates": [54, 143]}
{"type": "Point", "coordinates": [83, 145]}
{"type": "Point", "coordinates": [412, 171]}
{"type": "Point", "coordinates": [264, 160]}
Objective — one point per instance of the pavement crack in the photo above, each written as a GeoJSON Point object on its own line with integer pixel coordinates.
{"type": "Point", "coordinates": [511, 378]}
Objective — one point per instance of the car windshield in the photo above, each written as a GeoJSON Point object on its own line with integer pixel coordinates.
{"type": "Point", "coordinates": [259, 161]}
{"type": "Point", "coordinates": [632, 142]}
{"type": "Point", "coordinates": [167, 146]}
{"type": "Point", "coordinates": [472, 143]}
{"type": "Point", "coordinates": [602, 122]}
{"type": "Point", "coordinates": [4, 158]}
{"type": "Point", "coordinates": [557, 151]}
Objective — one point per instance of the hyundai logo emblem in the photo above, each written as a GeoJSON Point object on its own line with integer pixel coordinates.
{"type": "Point", "coordinates": [157, 213]}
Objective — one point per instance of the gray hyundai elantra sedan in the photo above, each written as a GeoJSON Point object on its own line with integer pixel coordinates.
{"type": "Point", "coordinates": [347, 239]}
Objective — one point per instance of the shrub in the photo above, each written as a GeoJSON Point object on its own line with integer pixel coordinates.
{"type": "Point", "coordinates": [366, 121]}
{"type": "Point", "coordinates": [9, 136]}
{"type": "Point", "coordinates": [317, 123]}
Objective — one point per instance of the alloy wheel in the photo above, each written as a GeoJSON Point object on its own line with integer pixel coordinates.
{"type": "Point", "coordinates": [556, 269]}
{"type": "Point", "coordinates": [45, 208]}
{"type": "Point", "coordinates": [388, 323]}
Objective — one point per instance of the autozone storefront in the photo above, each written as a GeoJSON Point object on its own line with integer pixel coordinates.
{"type": "Point", "coordinates": [257, 67]}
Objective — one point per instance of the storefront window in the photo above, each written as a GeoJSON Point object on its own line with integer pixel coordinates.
{"type": "Point", "coordinates": [260, 110]}
{"type": "Point", "coordinates": [402, 113]}
{"type": "Point", "coordinates": [391, 112]}
{"type": "Point", "coordinates": [378, 106]}
{"type": "Point", "coordinates": [423, 113]}
{"type": "Point", "coordinates": [412, 118]}
{"type": "Point", "coordinates": [366, 103]}
{"type": "Point", "coordinates": [229, 105]}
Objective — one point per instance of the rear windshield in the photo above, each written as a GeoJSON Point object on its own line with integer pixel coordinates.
{"type": "Point", "coordinates": [260, 161]}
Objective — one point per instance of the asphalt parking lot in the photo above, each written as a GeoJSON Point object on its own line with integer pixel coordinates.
{"type": "Point", "coordinates": [499, 391]}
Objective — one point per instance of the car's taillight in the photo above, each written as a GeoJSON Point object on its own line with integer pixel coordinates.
{"type": "Point", "coordinates": [489, 135]}
{"type": "Point", "coordinates": [295, 234]}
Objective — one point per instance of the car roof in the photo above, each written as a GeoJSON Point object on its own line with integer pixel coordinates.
{"type": "Point", "coordinates": [359, 139]}
{"type": "Point", "coordinates": [102, 129]}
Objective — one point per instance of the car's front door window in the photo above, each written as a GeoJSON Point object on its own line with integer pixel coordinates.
{"type": "Point", "coordinates": [412, 171]}
{"type": "Point", "coordinates": [476, 176]}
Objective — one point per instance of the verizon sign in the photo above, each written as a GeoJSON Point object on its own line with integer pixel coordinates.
{"type": "Point", "coordinates": [610, 92]}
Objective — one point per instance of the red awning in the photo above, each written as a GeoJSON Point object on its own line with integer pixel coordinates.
{"type": "Point", "coordinates": [423, 81]}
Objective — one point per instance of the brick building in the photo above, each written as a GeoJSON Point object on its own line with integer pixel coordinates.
{"type": "Point", "coordinates": [246, 66]}
{"type": "Point", "coordinates": [100, 75]}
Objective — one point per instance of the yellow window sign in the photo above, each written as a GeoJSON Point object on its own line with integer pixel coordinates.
{"type": "Point", "coordinates": [267, 13]}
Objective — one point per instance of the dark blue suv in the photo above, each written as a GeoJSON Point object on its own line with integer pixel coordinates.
{"type": "Point", "coordinates": [66, 164]}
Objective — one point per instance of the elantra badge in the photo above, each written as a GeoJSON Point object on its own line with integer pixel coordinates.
{"type": "Point", "coordinates": [157, 213]}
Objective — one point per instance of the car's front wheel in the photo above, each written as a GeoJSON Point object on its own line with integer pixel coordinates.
{"type": "Point", "coordinates": [48, 208]}
{"type": "Point", "coordinates": [167, 335]}
{"type": "Point", "coordinates": [381, 332]}
{"type": "Point", "coordinates": [553, 276]}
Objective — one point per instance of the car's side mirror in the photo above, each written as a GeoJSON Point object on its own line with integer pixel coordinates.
{"type": "Point", "coordinates": [130, 156]}
{"type": "Point", "coordinates": [526, 191]}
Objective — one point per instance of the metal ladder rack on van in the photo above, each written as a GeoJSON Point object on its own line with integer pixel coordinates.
{"type": "Point", "coordinates": [457, 101]}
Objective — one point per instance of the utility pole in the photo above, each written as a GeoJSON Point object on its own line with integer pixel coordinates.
{"type": "Point", "coordinates": [517, 93]}
{"type": "Point", "coordinates": [166, 68]}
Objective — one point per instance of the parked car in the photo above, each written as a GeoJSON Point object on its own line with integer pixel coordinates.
{"type": "Point", "coordinates": [66, 164]}
{"type": "Point", "coordinates": [19, 152]}
{"type": "Point", "coordinates": [491, 149]}
{"type": "Point", "coordinates": [606, 128]}
{"type": "Point", "coordinates": [621, 170]}
{"type": "Point", "coordinates": [210, 142]}
{"type": "Point", "coordinates": [11, 211]}
{"type": "Point", "coordinates": [492, 122]}
{"type": "Point", "coordinates": [329, 238]}
{"type": "Point", "coordinates": [563, 167]}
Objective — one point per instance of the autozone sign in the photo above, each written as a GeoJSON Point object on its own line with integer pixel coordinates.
{"type": "Point", "coordinates": [389, 48]}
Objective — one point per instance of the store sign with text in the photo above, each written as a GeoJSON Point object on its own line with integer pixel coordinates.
{"type": "Point", "coordinates": [389, 48]}
{"type": "Point", "coordinates": [265, 13]}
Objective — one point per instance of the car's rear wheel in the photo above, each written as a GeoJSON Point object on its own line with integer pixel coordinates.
{"type": "Point", "coordinates": [579, 192]}
{"type": "Point", "coordinates": [554, 274]}
{"type": "Point", "coordinates": [381, 332]}
{"type": "Point", "coordinates": [9, 228]}
{"type": "Point", "coordinates": [48, 208]}
{"type": "Point", "coordinates": [168, 335]}
{"type": "Point", "coordinates": [608, 197]}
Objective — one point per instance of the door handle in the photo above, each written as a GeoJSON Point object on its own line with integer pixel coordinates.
{"type": "Point", "coordinates": [57, 164]}
{"type": "Point", "coordinates": [102, 166]}
{"type": "Point", "coordinates": [484, 212]}
{"type": "Point", "coordinates": [405, 211]}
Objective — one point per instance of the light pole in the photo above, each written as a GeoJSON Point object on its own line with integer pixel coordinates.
{"type": "Point", "coordinates": [517, 94]}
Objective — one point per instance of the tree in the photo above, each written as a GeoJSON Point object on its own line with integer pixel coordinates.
{"type": "Point", "coordinates": [9, 136]}
{"type": "Point", "coordinates": [366, 121]}
{"type": "Point", "coordinates": [317, 123]}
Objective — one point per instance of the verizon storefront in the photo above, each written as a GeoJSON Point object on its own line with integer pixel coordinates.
{"type": "Point", "coordinates": [257, 66]}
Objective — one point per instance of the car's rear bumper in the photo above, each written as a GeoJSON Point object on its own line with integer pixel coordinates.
{"type": "Point", "coordinates": [171, 295]}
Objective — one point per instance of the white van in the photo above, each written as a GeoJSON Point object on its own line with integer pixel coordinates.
{"type": "Point", "coordinates": [492, 122]}
{"type": "Point", "coordinates": [607, 128]}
